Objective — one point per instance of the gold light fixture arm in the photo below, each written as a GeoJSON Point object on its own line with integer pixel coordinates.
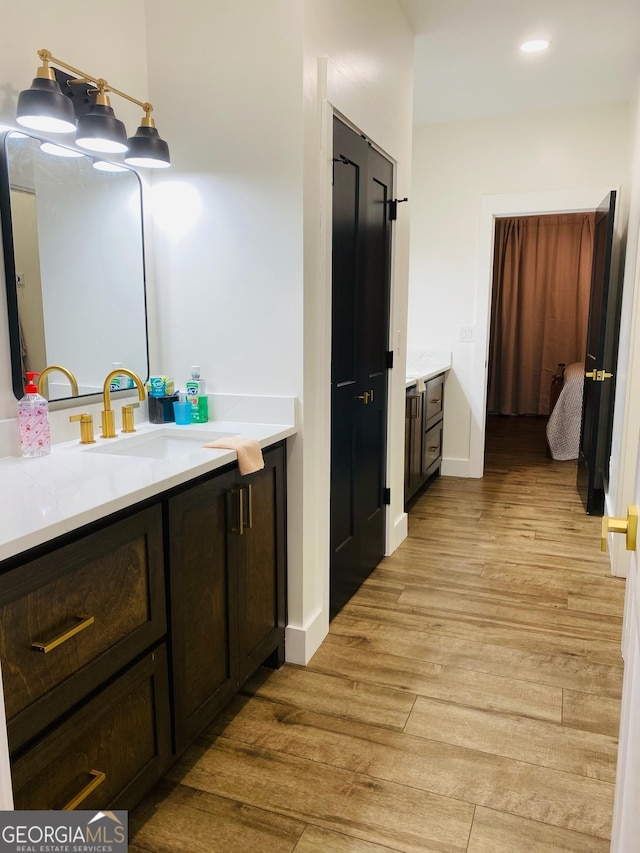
{"type": "Point", "coordinates": [102, 85]}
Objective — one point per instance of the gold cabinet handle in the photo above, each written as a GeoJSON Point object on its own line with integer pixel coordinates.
{"type": "Point", "coordinates": [414, 398]}
{"type": "Point", "coordinates": [240, 528]}
{"type": "Point", "coordinates": [364, 397]}
{"type": "Point", "coordinates": [249, 523]}
{"type": "Point", "coordinates": [84, 622]}
{"type": "Point", "coordinates": [628, 526]}
{"type": "Point", "coordinates": [98, 779]}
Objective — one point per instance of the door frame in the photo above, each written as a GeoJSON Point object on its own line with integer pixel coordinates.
{"type": "Point", "coordinates": [493, 207]}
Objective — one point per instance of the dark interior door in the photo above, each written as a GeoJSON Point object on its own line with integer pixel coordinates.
{"type": "Point", "coordinates": [362, 185]}
{"type": "Point", "coordinates": [600, 362]}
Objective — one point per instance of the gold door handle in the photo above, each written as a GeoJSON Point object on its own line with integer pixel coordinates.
{"type": "Point", "coordinates": [364, 397]}
{"type": "Point", "coordinates": [628, 526]}
{"type": "Point", "coordinates": [84, 622]}
{"type": "Point", "coordinates": [98, 779]}
{"type": "Point", "coordinates": [598, 375]}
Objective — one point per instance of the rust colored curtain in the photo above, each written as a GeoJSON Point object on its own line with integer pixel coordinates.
{"type": "Point", "coordinates": [540, 306]}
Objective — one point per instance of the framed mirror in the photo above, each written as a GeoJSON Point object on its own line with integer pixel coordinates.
{"type": "Point", "coordinates": [72, 238]}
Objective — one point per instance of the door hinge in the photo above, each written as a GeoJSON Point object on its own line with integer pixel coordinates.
{"type": "Point", "coordinates": [388, 359]}
{"type": "Point", "coordinates": [393, 206]}
{"type": "Point", "coordinates": [598, 375]}
{"type": "Point", "coordinates": [386, 496]}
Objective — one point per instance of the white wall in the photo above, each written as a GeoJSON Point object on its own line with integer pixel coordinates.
{"type": "Point", "coordinates": [626, 421]}
{"type": "Point", "coordinates": [242, 290]}
{"type": "Point", "coordinates": [82, 38]}
{"type": "Point", "coordinates": [454, 166]}
{"type": "Point", "coordinates": [358, 62]}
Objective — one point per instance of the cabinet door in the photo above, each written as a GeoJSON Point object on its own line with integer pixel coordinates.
{"type": "Point", "coordinates": [261, 565]}
{"type": "Point", "coordinates": [414, 479]}
{"type": "Point", "coordinates": [202, 571]}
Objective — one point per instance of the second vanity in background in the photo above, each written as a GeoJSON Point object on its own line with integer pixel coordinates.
{"type": "Point", "coordinates": [424, 405]}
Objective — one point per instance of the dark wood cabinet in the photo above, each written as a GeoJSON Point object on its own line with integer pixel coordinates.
{"type": "Point", "coordinates": [75, 616]}
{"type": "Point", "coordinates": [110, 750]}
{"type": "Point", "coordinates": [261, 567]}
{"type": "Point", "coordinates": [423, 434]}
{"type": "Point", "coordinates": [107, 678]}
{"type": "Point", "coordinates": [414, 420]}
{"type": "Point", "coordinates": [203, 604]}
{"type": "Point", "coordinates": [227, 588]}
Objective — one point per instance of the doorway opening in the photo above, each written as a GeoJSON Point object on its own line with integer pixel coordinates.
{"type": "Point", "coordinates": [493, 207]}
{"type": "Point", "coordinates": [538, 328]}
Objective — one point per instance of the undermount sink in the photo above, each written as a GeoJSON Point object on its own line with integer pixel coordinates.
{"type": "Point", "coordinates": [161, 444]}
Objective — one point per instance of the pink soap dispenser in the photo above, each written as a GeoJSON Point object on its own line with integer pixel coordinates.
{"type": "Point", "coordinates": [33, 421]}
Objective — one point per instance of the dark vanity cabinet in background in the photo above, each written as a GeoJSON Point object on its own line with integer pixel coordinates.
{"type": "Point", "coordinates": [121, 644]}
{"type": "Point", "coordinates": [423, 434]}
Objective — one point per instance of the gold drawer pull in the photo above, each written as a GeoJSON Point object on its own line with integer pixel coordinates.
{"type": "Point", "coordinates": [249, 523]}
{"type": "Point", "coordinates": [84, 622]}
{"type": "Point", "coordinates": [98, 779]}
{"type": "Point", "coordinates": [434, 402]}
{"type": "Point", "coordinates": [241, 523]}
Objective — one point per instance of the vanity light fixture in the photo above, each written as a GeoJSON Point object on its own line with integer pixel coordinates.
{"type": "Point", "coordinates": [106, 166]}
{"type": "Point", "coordinates": [59, 150]}
{"type": "Point", "coordinates": [46, 108]}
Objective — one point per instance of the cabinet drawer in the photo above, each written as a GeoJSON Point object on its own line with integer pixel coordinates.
{"type": "Point", "coordinates": [108, 752]}
{"type": "Point", "coordinates": [432, 449]}
{"type": "Point", "coordinates": [76, 616]}
{"type": "Point", "coordinates": [433, 399]}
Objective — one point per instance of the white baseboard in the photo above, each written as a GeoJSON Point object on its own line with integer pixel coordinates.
{"type": "Point", "coordinates": [455, 468]}
{"type": "Point", "coordinates": [302, 642]}
{"type": "Point", "coordinates": [397, 532]}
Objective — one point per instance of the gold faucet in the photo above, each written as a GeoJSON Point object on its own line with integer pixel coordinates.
{"type": "Point", "coordinates": [67, 373]}
{"type": "Point", "coordinates": [108, 417]}
{"type": "Point", "coordinates": [86, 427]}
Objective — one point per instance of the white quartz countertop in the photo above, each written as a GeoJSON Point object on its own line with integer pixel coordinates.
{"type": "Point", "coordinates": [422, 366]}
{"type": "Point", "coordinates": [44, 497]}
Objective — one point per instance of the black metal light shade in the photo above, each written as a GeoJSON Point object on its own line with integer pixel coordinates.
{"type": "Point", "coordinates": [58, 101]}
{"type": "Point", "coordinates": [147, 149]}
{"type": "Point", "coordinates": [99, 130]}
{"type": "Point", "coordinates": [44, 107]}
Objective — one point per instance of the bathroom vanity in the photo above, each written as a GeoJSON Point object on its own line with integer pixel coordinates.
{"type": "Point", "coordinates": [157, 587]}
{"type": "Point", "coordinates": [424, 407]}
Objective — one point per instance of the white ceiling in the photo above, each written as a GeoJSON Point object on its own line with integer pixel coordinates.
{"type": "Point", "coordinates": [468, 65]}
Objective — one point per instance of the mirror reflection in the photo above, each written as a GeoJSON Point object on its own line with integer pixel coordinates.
{"type": "Point", "coordinates": [74, 266]}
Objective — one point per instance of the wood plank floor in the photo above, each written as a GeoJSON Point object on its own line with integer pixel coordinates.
{"type": "Point", "coordinates": [466, 699]}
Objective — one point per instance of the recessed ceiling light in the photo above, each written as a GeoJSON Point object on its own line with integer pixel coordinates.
{"type": "Point", "coordinates": [534, 45]}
